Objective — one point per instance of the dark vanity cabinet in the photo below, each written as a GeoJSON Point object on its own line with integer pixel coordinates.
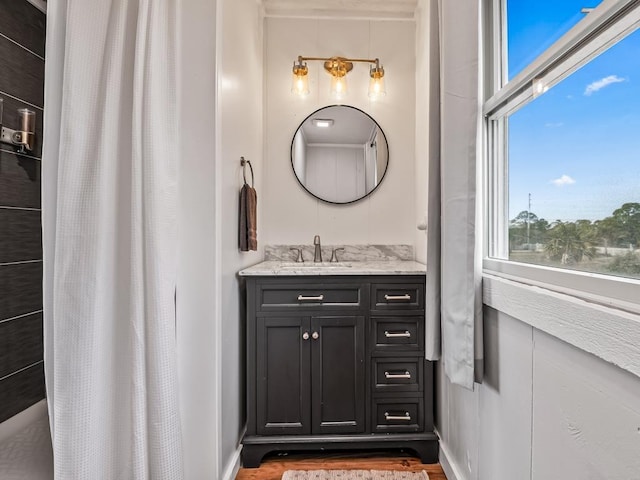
{"type": "Point", "coordinates": [309, 373]}
{"type": "Point", "coordinates": [337, 363]}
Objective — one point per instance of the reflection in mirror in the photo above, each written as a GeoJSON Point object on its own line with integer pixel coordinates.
{"type": "Point", "coordinates": [339, 154]}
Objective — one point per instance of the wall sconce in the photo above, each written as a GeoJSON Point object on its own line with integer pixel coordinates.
{"type": "Point", "coordinates": [300, 83]}
{"type": "Point", "coordinates": [338, 67]}
{"type": "Point", "coordinates": [24, 138]}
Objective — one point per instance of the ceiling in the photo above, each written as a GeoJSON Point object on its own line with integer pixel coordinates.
{"type": "Point", "coordinates": [341, 8]}
{"type": "Point", "coordinates": [350, 127]}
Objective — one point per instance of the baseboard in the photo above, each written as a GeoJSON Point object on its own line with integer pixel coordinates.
{"type": "Point", "coordinates": [449, 466]}
{"type": "Point", "coordinates": [233, 465]}
{"type": "Point", "coordinates": [22, 420]}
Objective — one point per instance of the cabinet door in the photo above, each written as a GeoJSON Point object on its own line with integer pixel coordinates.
{"type": "Point", "coordinates": [283, 375]}
{"type": "Point", "coordinates": [338, 374]}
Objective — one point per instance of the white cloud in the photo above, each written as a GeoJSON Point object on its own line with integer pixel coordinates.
{"type": "Point", "coordinates": [603, 82]}
{"type": "Point", "coordinates": [554, 124]}
{"type": "Point", "coordinates": [563, 180]}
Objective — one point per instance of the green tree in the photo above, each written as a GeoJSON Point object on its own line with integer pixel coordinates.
{"type": "Point", "coordinates": [627, 218]}
{"type": "Point", "coordinates": [608, 232]}
{"type": "Point", "coordinates": [521, 218]}
{"type": "Point", "coordinates": [567, 243]}
{"type": "Point", "coordinates": [539, 231]}
{"type": "Point", "coordinates": [519, 234]}
{"type": "Point", "coordinates": [587, 231]}
{"type": "Point", "coordinates": [522, 229]}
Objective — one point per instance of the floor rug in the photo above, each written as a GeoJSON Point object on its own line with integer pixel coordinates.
{"type": "Point", "coordinates": [353, 475]}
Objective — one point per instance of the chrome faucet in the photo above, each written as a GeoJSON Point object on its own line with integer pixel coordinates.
{"type": "Point", "coordinates": [317, 256]}
{"type": "Point", "coordinates": [334, 254]}
{"type": "Point", "coordinates": [299, 257]}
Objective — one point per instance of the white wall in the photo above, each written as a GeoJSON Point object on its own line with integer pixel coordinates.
{"type": "Point", "coordinates": [425, 104]}
{"type": "Point", "coordinates": [196, 298]}
{"type": "Point", "coordinates": [240, 95]}
{"type": "Point", "coordinates": [546, 411]}
{"type": "Point", "coordinates": [291, 215]}
{"type": "Point", "coordinates": [300, 156]}
{"type": "Point", "coordinates": [336, 173]}
{"type": "Point", "coordinates": [220, 101]}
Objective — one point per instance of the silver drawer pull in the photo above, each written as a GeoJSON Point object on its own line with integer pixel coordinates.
{"type": "Point", "coordinates": [406, 374]}
{"type": "Point", "coordinates": [405, 297]}
{"type": "Point", "coordinates": [405, 418]}
{"type": "Point", "coordinates": [406, 334]}
{"type": "Point", "coordinates": [302, 298]}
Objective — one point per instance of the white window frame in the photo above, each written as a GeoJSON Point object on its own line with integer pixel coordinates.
{"type": "Point", "coordinates": [611, 21]}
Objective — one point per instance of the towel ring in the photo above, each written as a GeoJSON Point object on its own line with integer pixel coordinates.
{"type": "Point", "coordinates": [244, 163]}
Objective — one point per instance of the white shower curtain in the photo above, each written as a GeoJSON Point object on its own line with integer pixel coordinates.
{"type": "Point", "coordinates": [109, 233]}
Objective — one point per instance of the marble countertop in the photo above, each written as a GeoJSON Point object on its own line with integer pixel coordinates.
{"type": "Point", "coordinates": [381, 267]}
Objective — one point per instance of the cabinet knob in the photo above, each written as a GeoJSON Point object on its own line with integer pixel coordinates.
{"type": "Point", "coordinates": [305, 336]}
{"type": "Point", "coordinates": [315, 335]}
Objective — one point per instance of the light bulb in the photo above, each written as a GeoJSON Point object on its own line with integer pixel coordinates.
{"type": "Point", "coordinates": [300, 80]}
{"type": "Point", "coordinates": [377, 88]}
{"type": "Point", "coordinates": [338, 86]}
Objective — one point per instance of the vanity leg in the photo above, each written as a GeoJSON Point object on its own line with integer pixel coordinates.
{"type": "Point", "coordinates": [427, 451]}
{"type": "Point", "coordinates": [252, 455]}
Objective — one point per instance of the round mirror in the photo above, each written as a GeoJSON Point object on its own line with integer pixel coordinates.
{"type": "Point", "coordinates": [339, 154]}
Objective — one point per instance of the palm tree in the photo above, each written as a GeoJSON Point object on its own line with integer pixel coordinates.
{"type": "Point", "coordinates": [567, 243]}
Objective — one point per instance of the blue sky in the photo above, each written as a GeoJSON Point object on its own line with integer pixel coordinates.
{"type": "Point", "coordinates": [576, 148]}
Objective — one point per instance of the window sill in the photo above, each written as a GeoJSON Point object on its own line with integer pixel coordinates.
{"type": "Point", "coordinates": [605, 327]}
{"type": "Point", "coordinates": [606, 290]}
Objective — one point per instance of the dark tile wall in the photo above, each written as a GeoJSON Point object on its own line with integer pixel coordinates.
{"type": "Point", "coordinates": [22, 37]}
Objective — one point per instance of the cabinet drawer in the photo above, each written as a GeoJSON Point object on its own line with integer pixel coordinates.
{"type": "Point", "coordinates": [397, 374]}
{"type": "Point", "coordinates": [397, 296]}
{"type": "Point", "coordinates": [309, 296]}
{"type": "Point", "coordinates": [398, 415]}
{"type": "Point", "coordinates": [400, 334]}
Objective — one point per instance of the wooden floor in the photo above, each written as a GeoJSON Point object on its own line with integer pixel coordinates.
{"type": "Point", "coordinates": [273, 467]}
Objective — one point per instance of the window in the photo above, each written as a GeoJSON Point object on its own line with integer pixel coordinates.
{"type": "Point", "coordinates": [563, 171]}
{"type": "Point", "coordinates": [532, 27]}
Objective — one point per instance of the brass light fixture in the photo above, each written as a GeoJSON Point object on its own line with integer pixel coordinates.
{"type": "Point", "coordinates": [338, 67]}
{"type": "Point", "coordinates": [300, 83]}
{"type": "Point", "coordinates": [376, 82]}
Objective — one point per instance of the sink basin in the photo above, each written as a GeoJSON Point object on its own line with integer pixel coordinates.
{"type": "Point", "coordinates": [297, 266]}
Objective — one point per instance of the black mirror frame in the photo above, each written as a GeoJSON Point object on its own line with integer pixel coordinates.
{"type": "Point", "coordinates": [313, 194]}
